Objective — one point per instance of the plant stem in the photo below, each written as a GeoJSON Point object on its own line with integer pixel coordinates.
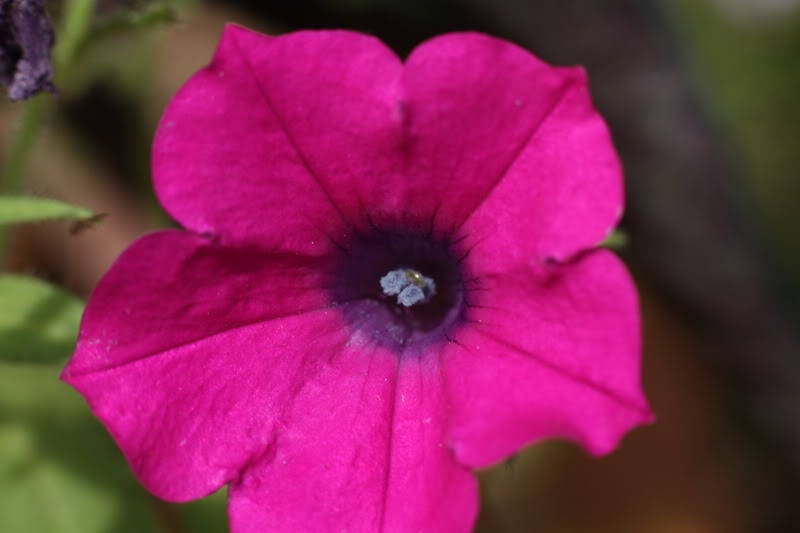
{"type": "Point", "coordinates": [18, 155]}
{"type": "Point", "coordinates": [74, 28]}
{"type": "Point", "coordinates": [22, 144]}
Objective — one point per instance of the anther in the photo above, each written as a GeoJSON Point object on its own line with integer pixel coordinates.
{"type": "Point", "coordinates": [409, 285]}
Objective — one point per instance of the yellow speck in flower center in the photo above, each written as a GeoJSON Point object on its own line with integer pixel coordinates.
{"type": "Point", "coordinates": [415, 277]}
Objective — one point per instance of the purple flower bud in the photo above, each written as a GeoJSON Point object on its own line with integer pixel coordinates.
{"type": "Point", "coordinates": [26, 38]}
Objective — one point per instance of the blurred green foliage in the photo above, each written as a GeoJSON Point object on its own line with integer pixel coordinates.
{"type": "Point", "coordinates": [59, 470]}
{"type": "Point", "coordinates": [38, 321]}
{"type": "Point", "coordinates": [750, 70]}
{"type": "Point", "coordinates": [208, 515]}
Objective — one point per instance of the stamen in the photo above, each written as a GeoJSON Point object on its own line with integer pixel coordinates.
{"type": "Point", "coordinates": [409, 285]}
{"type": "Point", "coordinates": [410, 295]}
{"type": "Point", "coordinates": [394, 282]}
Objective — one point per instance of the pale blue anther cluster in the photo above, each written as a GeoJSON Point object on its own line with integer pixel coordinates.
{"type": "Point", "coordinates": [409, 286]}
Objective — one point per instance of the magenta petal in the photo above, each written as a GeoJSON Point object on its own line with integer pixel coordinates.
{"type": "Point", "coordinates": [172, 288]}
{"type": "Point", "coordinates": [562, 194]}
{"type": "Point", "coordinates": [549, 353]}
{"type": "Point", "coordinates": [338, 96]}
{"type": "Point", "coordinates": [167, 356]}
{"type": "Point", "coordinates": [224, 165]}
{"type": "Point", "coordinates": [191, 418]}
{"type": "Point", "coordinates": [276, 138]}
{"type": "Point", "coordinates": [363, 450]}
{"type": "Point", "coordinates": [474, 103]}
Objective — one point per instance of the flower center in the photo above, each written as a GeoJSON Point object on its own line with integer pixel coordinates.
{"type": "Point", "coordinates": [401, 289]}
{"type": "Point", "coordinates": [409, 285]}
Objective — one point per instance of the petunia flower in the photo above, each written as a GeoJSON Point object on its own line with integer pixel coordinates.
{"type": "Point", "coordinates": [26, 38]}
{"type": "Point", "coordinates": [390, 276]}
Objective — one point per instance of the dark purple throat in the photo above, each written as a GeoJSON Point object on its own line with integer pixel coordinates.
{"type": "Point", "coordinates": [385, 318]}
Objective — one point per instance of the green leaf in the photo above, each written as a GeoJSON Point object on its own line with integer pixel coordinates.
{"type": "Point", "coordinates": [59, 470]}
{"type": "Point", "coordinates": [17, 209]}
{"type": "Point", "coordinates": [38, 321]}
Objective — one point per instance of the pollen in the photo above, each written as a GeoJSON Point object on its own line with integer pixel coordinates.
{"type": "Point", "coordinates": [410, 286]}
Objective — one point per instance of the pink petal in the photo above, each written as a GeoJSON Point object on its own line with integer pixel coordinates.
{"type": "Point", "coordinates": [338, 95]}
{"type": "Point", "coordinates": [363, 450]}
{"type": "Point", "coordinates": [563, 192]}
{"type": "Point", "coordinates": [171, 288]}
{"type": "Point", "coordinates": [190, 419]}
{"type": "Point", "coordinates": [272, 141]}
{"type": "Point", "coordinates": [552, 352]}
{"type": "Point", "coordinates": [190, 364]}
{"type": "Point", "coordinates": [475, 104]}
{"type": "Point", "coordinates": [316, 133]}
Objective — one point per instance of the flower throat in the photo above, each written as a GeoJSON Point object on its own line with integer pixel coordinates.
{"type": "Point", "coordinates": [403, 289]}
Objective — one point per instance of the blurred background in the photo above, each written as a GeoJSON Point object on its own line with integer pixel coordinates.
{"type": "Point", "coordinates": [702, 99]}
